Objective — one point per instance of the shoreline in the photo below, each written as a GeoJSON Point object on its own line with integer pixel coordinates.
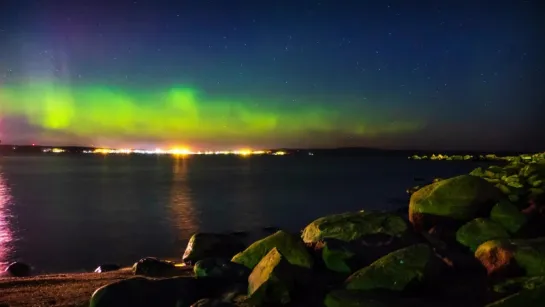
{"type": "Point", "coordinates": [506, 221]}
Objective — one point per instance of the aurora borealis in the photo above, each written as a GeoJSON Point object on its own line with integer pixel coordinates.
{"type": "Point", "coordinates": [313, 74]}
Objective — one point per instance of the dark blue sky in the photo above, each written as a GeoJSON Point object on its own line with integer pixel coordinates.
{"type": "Point", "coordinates": [418, 74]}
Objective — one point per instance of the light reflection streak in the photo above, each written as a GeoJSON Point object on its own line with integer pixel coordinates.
{"type": "Point", "coordinates": [184, 213]}
{"type": "Point", "coordinates": [6, 236]}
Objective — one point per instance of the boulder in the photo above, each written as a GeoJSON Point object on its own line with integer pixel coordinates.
{"type": "Point", "coordinates": [18, 269]}
{"type": "Point", "coordinates": [154, 267]}
{"type": "Point", "coordinates": [412, 266]}
{"type": "Point", "coordinates": [134, 292]}
{"type": "Point", "coordinates": [529, 296]}
{"type": "Point", "coordinates": [107, 268]}
{"type": "Point", "coordinates": [211, 245]}
{"type": "Point", "coordinates": [508, 215]}
{"type": "Point", "coordinates": [514, 285]}
{"type": "Point", "coordinates": [338, 256]}
{"type": "Point", "coordinates": [355, 225]}
{"type": "Point", "coordinates": [221, 268]}
{"type": "Point", "coordinates": [513, 257]}
{"type": "Point", "coordinates": [272, 280]}
{"type": "Point", "coordinates": [184, 291]}
{"type": "Point", "coordinates": [458, 199]}
{"type": "Point", "coordinates": [291, 247]}
{"type": "Point", "coordinates": [478, 231]}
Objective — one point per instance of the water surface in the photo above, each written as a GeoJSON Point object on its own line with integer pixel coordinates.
{"type": "Point", "coordinates": [70, 213]}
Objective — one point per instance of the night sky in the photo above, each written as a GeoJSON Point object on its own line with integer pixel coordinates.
{"type": "Point", "coordinates": [261, 74]}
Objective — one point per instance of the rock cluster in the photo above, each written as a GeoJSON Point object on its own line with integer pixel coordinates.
{"type": "Point", "coordinates": [468, 241]}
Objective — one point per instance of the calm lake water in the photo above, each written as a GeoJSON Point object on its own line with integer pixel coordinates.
{"type": "Point", "coordinates": [72, 213]}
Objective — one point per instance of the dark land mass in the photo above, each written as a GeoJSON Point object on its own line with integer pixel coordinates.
{"type": "Point", "coordinates": [349, 151]}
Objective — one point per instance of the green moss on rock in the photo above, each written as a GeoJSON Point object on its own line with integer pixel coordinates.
{"type": "Point", "coordinates": [394, 271]}
{"type": "Point", "coordinates": [459, 198]}
{"type": "Point", "coordinates": [508, 215]}
{"type": "Point", "coordinates": [272, 280]}
{"type": "Point", "coordinates": [525, 297]}
{"type": "Point", "coordinates": [478, 231]}
{"type": "Point", "coordinates": [291, 247]}
{"type": "Point", "coordinates": [350, 226]}
{"type": "Point", "coordinates": [336, 256]}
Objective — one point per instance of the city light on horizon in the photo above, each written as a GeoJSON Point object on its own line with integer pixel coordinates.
{"type": "Point", "coordinates": [177, 152]}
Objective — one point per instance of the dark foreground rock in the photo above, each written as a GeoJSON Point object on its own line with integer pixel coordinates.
{"type": "Point", "coordinates": [221, 268]}
{"type": "Point", "coordinates": [18, 269]}
{"type": "Point", "coordinates": [167, 292]}
{"type": "Point", "coordinates": [412, 266]}
{"type": "Point", "coordinates": [211, 245]}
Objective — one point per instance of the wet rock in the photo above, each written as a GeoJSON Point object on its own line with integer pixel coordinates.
{"type": "Point", "coordinates": [134, 292]}
{"type": "Point", "coordinates": [338, 256]}
{"type": "Point", "coordinates": [410, 266]}
{"type": "Point", "coordinates": [107, 268]}
{"type": "Point", "coordinates": [534, 296]}
{"type": "Point", "coordinates": [452, 201]}
{"type": "Point", "coordinates": [18, 269]}
{"type": "Point", "coordinates": [272, 280]}
{"type": "Point", "coordinates": [291, 247]}
{"type": "Point", "coordinates": [478, 231]}
{"type": "Point", "coordinates": [508, 215]}
{"type": "Point", "coordinates": [514, 285]}
{"type": "Point", "coordinates": [221, 268]}
{"type": "Point", "coordinates": [211, 245]}
{"type": "Point", "coordinates": [508, 258]}
{"type": "Point", "coordinates": [154, 267]}
{"type": "Point", "coordinates": [355, 225]}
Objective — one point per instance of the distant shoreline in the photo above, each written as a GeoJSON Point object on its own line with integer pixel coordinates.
{"type": "Point", "coordinates": [9, 149]}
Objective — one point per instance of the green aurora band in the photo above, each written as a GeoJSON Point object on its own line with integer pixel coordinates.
{"type": "Point", "coordinates": [182, 114]}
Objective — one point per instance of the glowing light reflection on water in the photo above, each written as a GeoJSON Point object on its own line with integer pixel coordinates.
{"type": "Point", "coordinates": [5, 232]}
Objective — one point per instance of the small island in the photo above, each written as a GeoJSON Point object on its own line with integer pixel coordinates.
{"type": "Point", "coordinates": [476, 239]}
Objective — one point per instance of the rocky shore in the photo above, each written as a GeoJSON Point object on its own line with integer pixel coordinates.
{"type": "Point", "coordinates": [472, 240]}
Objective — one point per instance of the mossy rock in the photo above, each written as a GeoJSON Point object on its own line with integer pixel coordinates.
{"type": "Point", "coordinates": [337, 256]}
{"type": "Point", "coordinates": [526, 257]}
{"type": "Point", "coordinates": [514, 285]}
{"type": "Point", "coordinates": [291, 247]}
{"type": "Point", "coordinates": [221, 268]}
{"type": "Point", "coordinates": [395, 271]}
{"type": "Point", "coordinates": [211, 245]}
{"type": "Point", "coordinates": [460, 198]}
{"type": "Point", "coordinates": [526, 297]}
{"type": "Point", "coordinates": [535, 181]}
{"type": "Point", "coordinates": [508, 215]}
{"type": "Point", "coordinates": [478, 172]}
{"type": "Point", "coordinates": [353, 298]}
{"type": "Point", "coordinates": [153, 267]}
{"type": "Point", "coordinates": [478, 231]}
{"type": "Point", "coordinates": [354, 225]}
{"type": "Point", "coordinates": [272, 280]}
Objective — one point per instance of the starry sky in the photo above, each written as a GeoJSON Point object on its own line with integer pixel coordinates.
{"type": "Point", "coordinates": [262, 74]}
